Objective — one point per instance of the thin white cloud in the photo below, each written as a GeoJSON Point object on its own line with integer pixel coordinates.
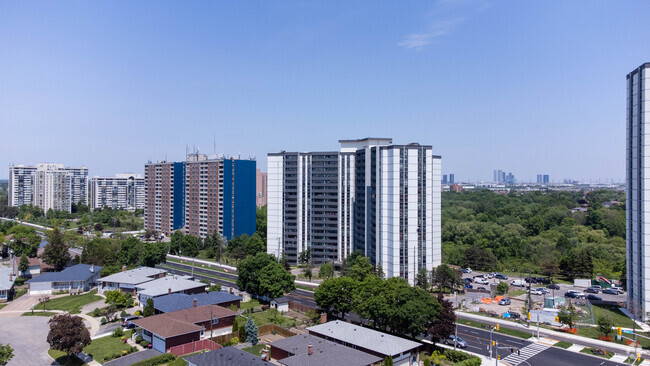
{"type": "Point", "coordinates": [437, 29]}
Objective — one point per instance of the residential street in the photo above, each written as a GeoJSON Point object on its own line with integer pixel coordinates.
{"type": "Point", "coordinates": [28, 337]}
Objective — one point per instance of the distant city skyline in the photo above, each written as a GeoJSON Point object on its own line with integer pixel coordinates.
{"type": "Point", "coordinates": [113, 85]}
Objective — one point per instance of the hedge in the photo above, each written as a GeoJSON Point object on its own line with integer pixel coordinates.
{"type": "Point", "coordinates": [158, 360]}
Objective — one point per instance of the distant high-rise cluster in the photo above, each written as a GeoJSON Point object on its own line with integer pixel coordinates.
{"type": "Point", "coordinates": [501, 177]}
{"type": "Point", "coordinates": [448, 181]}
{"type": "Point", "coordinates": [123, 191]}
{"type": "Point", "coordinates": [371, 196]}
{"type": "Point", "coordinates": [48, 186]}
{"type": "Point", "coordinates": [543, 179]}
{"type": "Point", "coordinates": [202, 195]}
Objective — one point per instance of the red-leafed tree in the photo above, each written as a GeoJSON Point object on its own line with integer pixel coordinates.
{"type": "Point", "coordinates": [68, 334]}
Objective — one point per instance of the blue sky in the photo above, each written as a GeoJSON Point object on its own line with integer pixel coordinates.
{"type": "Point", "coordinates": [528, 87]}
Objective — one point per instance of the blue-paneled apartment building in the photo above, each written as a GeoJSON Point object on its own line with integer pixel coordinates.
{"type": "Point", "coordinates": [201, 195]}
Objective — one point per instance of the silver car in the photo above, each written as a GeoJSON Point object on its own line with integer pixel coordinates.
{"type": "Point", "coordinates": [458, 342]}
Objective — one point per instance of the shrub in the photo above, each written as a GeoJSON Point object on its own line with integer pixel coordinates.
{"type": "Point", "coordinates": [133, 349]}
{"type": "Point", "coordinates": [123, 313]}
{"type": "Point", "coordinates": [103, 321]}
{"type": "Point", "coordinates": [472, 361]}
{"type": "Point", "coordinates": [232, 342]}
{"type": "Point", "coordinates": [456, 356]}
{"type": "Point", "coordinates": [144, 343]}
{"type": "Point", "coordinates": [118, 333]}
{"type": "Point", "coordinates": [137, 313]}
{"type": "Point", "coordinates": [138, 338]}
{"type": "Point", "coordinates": [427, 362]}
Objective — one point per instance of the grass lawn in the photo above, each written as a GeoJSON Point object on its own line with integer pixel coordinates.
{"type": "Point", "coordinates": [592, 332]}
{"type": "Point", "coordinates": [618, 318]}
{"type": "Point", "coordinates": [517, 292]}
{"type": "Point", "coordinates": [307, 288]}
{"type": "Point", "coordinates": [256, 350]}
{"type": "Point", "coordinates": [265, 317]}
{"type": "Point", "coordinates": [20, 292]}
{"type": "Point", "coordinates": [3, 305]}
{"type": "Point", "coordinates": [178, 362]}
{"type": "Point", "coordinates": [563, 344]}
{"type": "Point", "coordinates": [105, 346]}
{"type": "Point", "coordinates": [63, 360]}
{"type": "Point", "coordinates": [629, 360]}
{"type": "Point", "coordinates": [39, 313]}
{"type": "Point", "coordinates": [590, 351]}
{"type": "Point", "coordinates": [71, 303]}
{"type": "Point", "coordinates": [502, 330]}
{"type": "Point", "coordinates": [249, 304]}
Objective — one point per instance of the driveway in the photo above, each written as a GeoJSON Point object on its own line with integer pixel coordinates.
{"type": "Point", "coordinates": [23, 303]}
{"type": "Point", "coordinates": [28, 337]}
{"type": "Point", "coordinates": [133, 358]}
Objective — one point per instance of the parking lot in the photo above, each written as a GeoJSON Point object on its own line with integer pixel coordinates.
{"type": "Point", "coordinates": [492, 282]}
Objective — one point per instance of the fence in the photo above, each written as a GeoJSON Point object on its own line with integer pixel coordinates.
{"type": "Point", "coordinates": [195, 346]}
{"type": "Point", "coordinates": [263, 330]}
{"type": "Point", "coordinates": [301, 307]}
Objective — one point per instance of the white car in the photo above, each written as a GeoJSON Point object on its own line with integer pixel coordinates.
{"type": "Point", "coordinates": [536, 292]}
{"type": "Point", "coordinates": [481, 280]}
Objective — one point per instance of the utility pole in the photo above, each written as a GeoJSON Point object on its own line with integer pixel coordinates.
{"type": "Point", "coordinates": [496, 358]}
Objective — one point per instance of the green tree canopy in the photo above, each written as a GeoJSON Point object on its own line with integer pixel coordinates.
{"type": "Point", "coordinates": [263, 275]}
{"type": "Point", "coordinates": [56, 252]}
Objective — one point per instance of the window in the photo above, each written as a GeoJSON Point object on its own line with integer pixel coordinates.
{"type": "Point", "coordinates": [215, 321]}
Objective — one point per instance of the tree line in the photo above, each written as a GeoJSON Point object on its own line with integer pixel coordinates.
{"type": "Point", "coordinates": [537, 231]}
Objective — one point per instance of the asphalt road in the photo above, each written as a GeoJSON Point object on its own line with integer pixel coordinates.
{"type": "Point", "coordinates": [530, 353]}
{"type": "Point", "coordinates": [300, 296]}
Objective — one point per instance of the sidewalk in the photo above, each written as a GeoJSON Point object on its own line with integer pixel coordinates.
{"type": "Point", "coordinates": [642, 325]}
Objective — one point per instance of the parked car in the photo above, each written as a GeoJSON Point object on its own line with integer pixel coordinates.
{"type": "Point", "coordinates": [480, 281]}
{"type": "Point", "coordinates": [458, 342]}
{"type": "Point", "coordinates": [129, 325]}
{"type": "Point", "coordinates": [128, 318]}
{"type": "Point", "coordinates": [467, 285]}
{"type": "Point", "coordinates": [592, 290]}
{"type": "Point", "coordinates": [543, 290]}
{"type": "Point", "coordinates": [536, 291]}
{"type": "Point", "coordinates": [574, 294]}
{"type": "Point", "coordinates": [530, 280]}
{"type": "Point", "coordinates": [481, 288]}
{"type": "Point", "coordinates": [553, 287]}
{"type": "Point", "coordinates": [467, 270]}
{"type": "Point", "coordinates": [489, 275]}
{"type": "Point", "coordinates": [468, 280]}
{"type": "Point", "coordinates": [500, 276]}
{"type": "Point", "coordinates": [619, 289]}
{"type": "Point", "coordinates": [611, 291]}
{"type": "Point", "coordinates": [504, 301]}
{"type": "Point", "coordinates": [599, 287]}
{"type": "Point", "coordinates": [594, 297]}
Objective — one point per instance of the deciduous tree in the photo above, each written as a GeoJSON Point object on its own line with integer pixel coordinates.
{"type": "Point", "coordinates": [148, 308]}
{"type": "Point", "coordinates": [56, 252]}
{"type": "Point", "coordinates": [336, 296]}
{"type": "Point", "coordinates": [6, 354]}
{"type": "Point", "coordinates": [68, 334]}
{"type": "Point", "coordinates": [445, 324]}
{"type": "Point", "coordinates": [23, 266]}
{"type": "Point", "coordinates": [326, 271]}
{"type": "Point", "coordinates": [263, 275]}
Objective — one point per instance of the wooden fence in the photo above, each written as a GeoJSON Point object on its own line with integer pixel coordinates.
{"type": "Point", "coordinates": [195, 346]}
{"type": "Point", "coordinates": [301, 307]}
{"type": "Point", "coordinates": [263, 330]}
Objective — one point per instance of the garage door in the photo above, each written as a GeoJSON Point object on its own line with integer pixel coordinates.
{"type": "Point", "coordinates": [38, 288]}
{"type": "Point", "coordinates": [158, 344]}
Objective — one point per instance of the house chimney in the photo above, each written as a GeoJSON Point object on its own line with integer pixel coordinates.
{"type": "Point", "coordinates": [169, 291]}
{"type": "Point", "coordinates": [323, 318]}
{"type": "Point", "coordinates": [123, 268]}
{"type": "Point", "coordinates": [231, 290]}
{"type": "Point", "coordinates": [11, 277]}
{"type": "Point", "coordinates": [92, 268]}
{"type": "Point", "coordinates": [310, 349]}
{"type": "Point", "coordinates": [194, 302]}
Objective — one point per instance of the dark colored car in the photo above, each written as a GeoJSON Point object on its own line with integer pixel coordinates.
{"type": "Point", "coordinates": [610, 291]}
{"type": "Point", "coordinates": [467, 285]}
{"type": "Point", "coordinates": [594, 297]}
{"type": "Point", "coordinates": [530, 280]}
{"type": "Point", "coordinates": [592, 290]}
{"type": "Point", "coordinates": [543, 280]}
{"type": "Point", "coordinates": [553, 287]}
{"type": "Point", "coordinates": [571, 294]}
{"type": "Point", "coordinates": [500, 276]}
{"type": "Point", "coordinates": [129, 325]}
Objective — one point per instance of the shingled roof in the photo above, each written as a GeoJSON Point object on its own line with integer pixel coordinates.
{"type": "Point", "coordinates": [79, 272]}
{"type": "Point", "coordinates": [182, 321]}
{"type": "Point", "coordinates": [174, 302]}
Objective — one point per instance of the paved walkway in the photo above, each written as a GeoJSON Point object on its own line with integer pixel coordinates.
{"type": "Point", "coordinates": [133, 358]}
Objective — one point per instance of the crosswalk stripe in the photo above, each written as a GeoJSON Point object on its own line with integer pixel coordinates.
{"type": "Point", "coordinates": [524, 354]}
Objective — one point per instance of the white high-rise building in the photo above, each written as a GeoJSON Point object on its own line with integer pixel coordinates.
{"type": "Point", "coordinates": [48, 186]}
{"type": "Point", "coordinates": [638, 191]}
{"type": "Point", "coordinates": [126, 191]}
{"type": "Point", "coordinates": [371, 196]}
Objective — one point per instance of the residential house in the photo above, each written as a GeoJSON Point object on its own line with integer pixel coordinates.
{"type": "Point", "coordinates": [80, 277]}
{"type": "Point", "coordinates": [174, 302]}
{"type": "Point", "coordinates": [310, 350]}
{"type": "Point", "coordinates": [7, 280]}
{"type": "Point", "coordinates": [168, 285]}
{"type": "Point", "coordinates": [167, 330]}
{"type": "Point", "coordinates": [403, 351]}
{"type": "Point", "coordinates": [127, 281]}
{"type": "Point", "coordinates": [227, 356]}
{"type": "Point", "coordinates": [34, 267]}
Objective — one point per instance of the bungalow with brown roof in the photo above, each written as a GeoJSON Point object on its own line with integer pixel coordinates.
{"type": "Point", "coordinates": [167, 330]}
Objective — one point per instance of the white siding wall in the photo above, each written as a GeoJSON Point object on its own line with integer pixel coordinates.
{"type": "Point", "coordinates": [274, 205]}
{"type": "Point", "coordinates": [436, 213]}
